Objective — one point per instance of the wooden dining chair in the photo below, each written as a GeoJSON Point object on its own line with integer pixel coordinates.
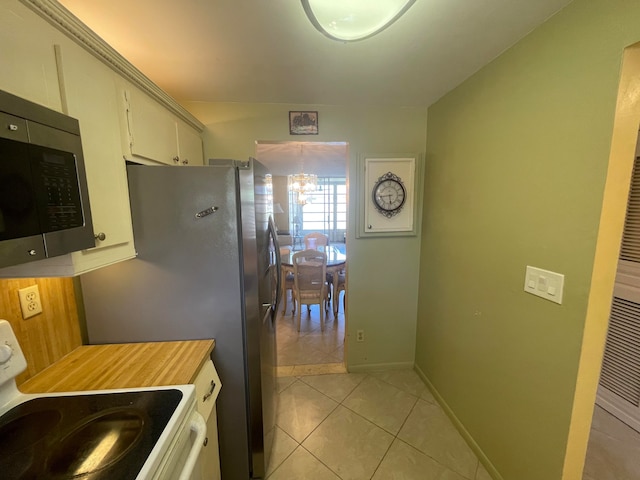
{"type": "Point", "coordinates": [310, 284]}
{"type": "Point", "coordinates": [341, 286]}
{"type": "Point", "coordinates": [314, 240]}
{"type": "Point", "coordinates": [287, 284]}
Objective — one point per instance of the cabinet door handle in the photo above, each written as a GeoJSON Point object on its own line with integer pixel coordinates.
{"type": "Point", "coordinates": [176, 159]}
{"type": "Point", "coordinates": [211, 389]}
{"type": "Point", "coordinates": [100, 236]}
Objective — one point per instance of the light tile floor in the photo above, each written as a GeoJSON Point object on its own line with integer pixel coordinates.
{"type": "Point", "coordinates": [333, 425]}
{"type": "Point", "coordinates": [613, 452]}
{"type": "Point", "coordinates": [310, 346]}
{"type": "Point", "coordinates": [373, 426]}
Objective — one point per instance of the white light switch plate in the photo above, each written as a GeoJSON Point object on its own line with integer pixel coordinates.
{"type": "Point", "coordinates": [545, 284]}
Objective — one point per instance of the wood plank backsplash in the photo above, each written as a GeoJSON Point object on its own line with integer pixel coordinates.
{"type": "Point", "coordinates": [50, 335]}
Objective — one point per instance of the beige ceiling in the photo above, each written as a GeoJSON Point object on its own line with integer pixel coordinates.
{"type": "Point", "coordinates": [267, 51]}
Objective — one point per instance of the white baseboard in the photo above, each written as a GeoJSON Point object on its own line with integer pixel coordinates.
{"type": "Point", "coordinates": [460, 427]}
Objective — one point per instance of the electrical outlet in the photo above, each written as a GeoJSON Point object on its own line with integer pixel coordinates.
{"type": "Point", "coordinates": [360, 336]}
{"type": "Point", "coordinates": [30, 301]}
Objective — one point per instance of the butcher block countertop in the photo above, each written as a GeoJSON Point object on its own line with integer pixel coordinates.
{"type": "Point", "coordinates": [123, 365]}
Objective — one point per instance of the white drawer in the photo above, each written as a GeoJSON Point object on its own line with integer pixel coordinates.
{"type": "Point", "coordinates": [207, 389]}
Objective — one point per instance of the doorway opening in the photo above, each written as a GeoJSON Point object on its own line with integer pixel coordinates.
{"type": "Point", "coordinates": [322, 209]}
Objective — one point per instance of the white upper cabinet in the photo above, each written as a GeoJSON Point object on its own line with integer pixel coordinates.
{"type": "Point", "coordinates": [155, 134]}
{"type": "Point", "coordinates": [151, 128]}
{"type": "Point", "coordinates": [190, 149]}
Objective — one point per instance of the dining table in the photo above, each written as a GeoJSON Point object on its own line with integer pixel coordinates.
{"type": "Point", "coordinates": [336, 262]}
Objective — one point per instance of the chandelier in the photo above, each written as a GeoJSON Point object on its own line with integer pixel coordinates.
{"type": "Point", "coordinates": [352, 20]}
{"type": "Point", "coordinates": [302, 184]}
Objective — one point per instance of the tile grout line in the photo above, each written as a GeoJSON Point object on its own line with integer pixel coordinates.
{"type": "Point", "coordinates": [395, 436]}
{"type": "Point", "coordinates": [341, 404]}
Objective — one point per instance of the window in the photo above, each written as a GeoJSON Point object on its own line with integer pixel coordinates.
{"type": "Point", "coordinates": [325, 210]}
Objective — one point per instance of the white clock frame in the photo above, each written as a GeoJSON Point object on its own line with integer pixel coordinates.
{"type": "Point", "coordinates": [372, 223]}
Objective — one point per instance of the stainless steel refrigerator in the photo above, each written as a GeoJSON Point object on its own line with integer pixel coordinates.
{"type": "Point", "coordinates": [207, 266]}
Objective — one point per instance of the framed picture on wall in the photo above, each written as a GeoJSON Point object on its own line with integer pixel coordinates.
{"type": "Point", "coordinates": [303, 123]}
{"type": "Point", "coordinates": [389, 187]}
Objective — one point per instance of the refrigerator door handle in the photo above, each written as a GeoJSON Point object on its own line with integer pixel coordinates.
{"type": "Point", "coordinates": [208, 211]}
{"type": "Point", "coordinates": [273, 231]}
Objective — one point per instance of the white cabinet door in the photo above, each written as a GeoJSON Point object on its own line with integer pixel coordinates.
{"type": "Point", "coordinates": [152, 128]}
{"type": "Point", "coordinates": [208, 387]}
{"type": "Point", "coordinates": [28, 64]}
{"type": "Point", "coordinates": [92, 99]}
{"type": "Point", "coordinates": [189, 144]}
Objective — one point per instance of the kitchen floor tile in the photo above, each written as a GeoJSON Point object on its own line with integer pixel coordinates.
{"type": "Point", "coordinates": [345, 436]}
{"type": "Point", "coordinates": [336, 386]}
{"type": "Point", "coordinates": [301, 409]}
{"type": "Point", "coordinates": [283, 382]}
{"type": "Point", "coordinates": [406, 380]}
{"type": "Point", "coordinates": [404, 462]}
{"type": "Point", "coordinates": [429, 430]}
{"type": "Point", "coordinates": [381, 403]}
{"type": "Point", "coordinates": [427, 396]}
{"type": "Point", "coordinates": [301, 465]}
{"type": "Point", "coordinates": [283, 446]}
{"type": "Point", "coordinates": [299, 353]}
{"type": "Point", "coordinates": [349, 426]}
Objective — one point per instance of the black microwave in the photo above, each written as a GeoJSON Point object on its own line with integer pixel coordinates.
{"type": "Point", "coordinates": [44, 203]}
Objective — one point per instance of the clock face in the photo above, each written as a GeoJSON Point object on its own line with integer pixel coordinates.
{"type": "Point", "coordinates": [389, 194]}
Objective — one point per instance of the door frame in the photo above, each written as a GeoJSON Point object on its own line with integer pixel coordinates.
{"type": "Point", "coordinates": [612, 216]}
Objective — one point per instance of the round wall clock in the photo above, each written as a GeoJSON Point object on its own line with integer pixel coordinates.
{"type": "Point", "coordinates": [389, 194]}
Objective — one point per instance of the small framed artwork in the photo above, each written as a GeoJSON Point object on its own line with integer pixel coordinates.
{"type": "Point", "coordinates": [303, 123]}
{"type": "Point", "coordinates": [390, 187]}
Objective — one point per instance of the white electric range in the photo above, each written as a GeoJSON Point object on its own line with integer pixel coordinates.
{"type": "Point", "coordinates": [136, 434]}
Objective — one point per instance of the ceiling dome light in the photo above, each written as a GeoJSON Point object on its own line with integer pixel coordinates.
{"type": "Point", "coordinates": [351, 20]}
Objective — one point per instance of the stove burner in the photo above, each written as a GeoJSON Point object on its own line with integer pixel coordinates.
{"type": "Point", "coordinates": [26, 430]}
{"type": "Point", "coordinates": [99, 436]}
{"type": "Point", "coordinates": [97, 443]}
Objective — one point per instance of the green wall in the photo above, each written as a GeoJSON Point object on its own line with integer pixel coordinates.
{"type": "Point", "coordinates": [382, 273]}
{"type": "Point", "coordinates": [515, 169]}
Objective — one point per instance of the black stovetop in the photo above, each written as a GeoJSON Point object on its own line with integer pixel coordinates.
{"type": "Point", "coordinates": [86, 436]}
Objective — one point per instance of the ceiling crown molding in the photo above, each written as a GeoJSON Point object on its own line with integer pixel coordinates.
{"type": "Point", "coordinates": [67, 23]}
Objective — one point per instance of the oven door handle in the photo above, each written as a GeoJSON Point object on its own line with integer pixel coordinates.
{"type": "Point", "coordinates": [199, 427]}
